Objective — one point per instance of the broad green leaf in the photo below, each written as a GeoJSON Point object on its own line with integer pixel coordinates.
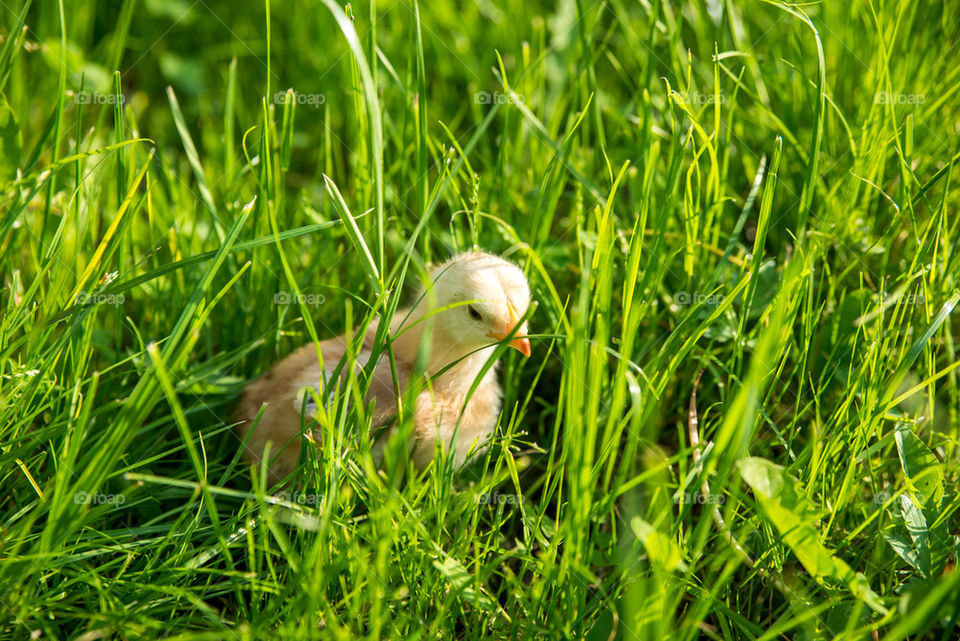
{"type": "Point", "coordinates": [461, 581]}
{"type": "Point", "coordinates": [917, 528]}
{"type": "Point", "coordinates": [662, 550]}
{"type": "Point", "coordinates": [920, 467]}
{"type": "Point", "coordinates": [903, 548]}
{"type": "Point", "coordinates": [604, 627]}
{"type": "Point", "coordinates": [783, 505]}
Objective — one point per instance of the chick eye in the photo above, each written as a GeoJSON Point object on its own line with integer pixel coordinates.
{"type": "Point", "coordinates": [474, 314]}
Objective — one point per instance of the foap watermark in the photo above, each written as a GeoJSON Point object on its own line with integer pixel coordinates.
{"type": "Point", "coordinates": [292, 298]}
{"type": "Point", "coordinates": [294, 98]}
{"type": "Point", "coordinates": [497, 498]}
{"type": "Point", "coordinates": [883, 298]}
{"type": "Point", "coordinates": [98, 498]}
{"type": "Point", "coordinates": [300, 498]}
{"type": "Point", "coordinates": [697, 98]}
{"type": "Point", "coordinates": [897, 98]}
{"type": "Point", "coordinates": [696, 498]}
{"type": "Point", "coordinates": [497, 98]}
{"type": "Point", "coordinates": [96, 98]}
{"type": "Point", "coordinates": [697, 298]}
{"type": "Point", "coordinates": [882, 497]}
{"type": "Point", "coordinates": [94, 298]}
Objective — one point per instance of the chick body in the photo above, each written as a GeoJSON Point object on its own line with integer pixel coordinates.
{"type": "Point", "coordinates": [472, 303]}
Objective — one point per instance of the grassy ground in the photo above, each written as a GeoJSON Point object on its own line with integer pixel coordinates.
{"type": "Point", "coordinates": [740, 224]}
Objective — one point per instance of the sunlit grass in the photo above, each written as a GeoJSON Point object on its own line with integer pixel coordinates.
{"type": "Point", "coordinates": [740, 419]}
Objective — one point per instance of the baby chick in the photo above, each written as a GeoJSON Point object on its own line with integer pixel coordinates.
{"type": "Point", "coordinates": [475, 300]}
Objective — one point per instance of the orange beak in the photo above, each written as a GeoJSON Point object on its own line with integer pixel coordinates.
{"type": "Point", "coordinates": [521, 344]}
{"type": "Point", "coordinates": [520, 341]}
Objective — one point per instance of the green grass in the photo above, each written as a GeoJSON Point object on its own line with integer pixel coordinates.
{"type": "Point", "coordinates": [739, 221]}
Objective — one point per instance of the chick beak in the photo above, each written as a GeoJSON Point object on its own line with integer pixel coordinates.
{"type": "Point", "coordinates": [521, 344]}
{"type": "Point", "coordinates": [520, 341]}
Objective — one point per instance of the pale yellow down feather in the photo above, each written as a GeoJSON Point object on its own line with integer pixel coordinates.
{"type": "Point", "coordinates": [486, 295]}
